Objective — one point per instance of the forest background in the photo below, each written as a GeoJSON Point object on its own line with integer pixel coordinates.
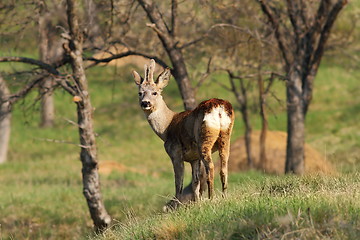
{"type": "Point", "coordinates": [228, 49]}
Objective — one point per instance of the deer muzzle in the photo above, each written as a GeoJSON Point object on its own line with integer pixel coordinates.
{"type": "Point", "coordinates": [146, 105]}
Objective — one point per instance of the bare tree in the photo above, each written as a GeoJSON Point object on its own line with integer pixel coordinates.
{"type": "Point", "coordinates": [47, 100]}
{"type": "Point", "coordinates": [302, 46]}
{"type": "Point", "coordinates": [5, 120]}
{"type": "Point", "coordinates": [88, 153]}
{"type": "Point", "coordinates": [241, 95]}
{"type": "Point", "coordinates": [263, 93]}
{"type": "Point", "coordinates": [264, 122]}
{"type": "Point", "coordinates": [76, 85]}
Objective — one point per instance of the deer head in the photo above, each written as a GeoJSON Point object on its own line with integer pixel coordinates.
{"type": "Point", "coordinates": [150, 90]}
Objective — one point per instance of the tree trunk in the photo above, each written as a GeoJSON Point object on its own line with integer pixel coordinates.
{"type": "Point", "coordinates": [247, 136]}
{"type": "Point", "coordinates": [296, 123]}
{"type": "Point", "coordinates": [241, 97]}
{"type": "Point", "coordinates": [47, 103]}
{"type": "Point", "coordinates": [47, 100]}
{"type": "Point", "coordinates": [88, 155]}
{"type": "Point", "coordinates": [264, 125]}
{"type": "Point", "coordinates": [5, 121]}
{"type": "Point", "coordinates": [182, 79]}
{"type": "Point", "coordinates": [243, 101]}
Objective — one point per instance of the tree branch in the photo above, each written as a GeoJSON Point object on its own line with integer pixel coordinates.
{"type": "Point", "coordinates": [239, 97]}
{"type": "Point", "coordinates": [280, 37]}
{"type": "Point", "coordinates": [294, 18]}
{"type": "Point", "coordinates": [254, 35]}
{"type": "Point", "coordinates": [23, 92]}
{"type": "Point", "coordinates": [51, 68]}
{"type": "Point", "coordinates": [325, 32]}
{"type": "Point", "coordinates": [323, 27]}
{"type": "Point", "coordinates": [125, 54]}
{"type": "Point", "coordinates": [174, 6]}
{"type": "Point", "coordinates": [204, 75]}
{"type": "Point", "coordinates": [154, 16]}
{"type": "Point", "coordinates": [61, 141]}
{"type": "Point", "coordinates": [31, 61]}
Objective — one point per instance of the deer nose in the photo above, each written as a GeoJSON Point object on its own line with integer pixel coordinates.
{"type": "Point", "coordinates": [145, 104]}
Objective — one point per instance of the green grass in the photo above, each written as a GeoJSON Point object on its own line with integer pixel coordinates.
{"type": "Point", "coordinates": [41, 189]}
{"type": "Point", "coordinates": [258, 208]}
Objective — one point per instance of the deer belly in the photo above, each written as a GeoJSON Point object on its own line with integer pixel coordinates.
{"type": "Point", "coordinates": [190, 154]}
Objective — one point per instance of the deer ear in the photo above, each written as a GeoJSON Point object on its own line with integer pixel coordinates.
{"type": "Point", "coordinates": [163, 79]}
{"type": "Point", "coordinates": [137, 78]}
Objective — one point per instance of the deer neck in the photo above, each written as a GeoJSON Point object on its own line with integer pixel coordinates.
{"type": "Point", "coordinates": [160, 119]}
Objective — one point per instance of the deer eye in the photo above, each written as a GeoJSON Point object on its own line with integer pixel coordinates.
{"type": "Point", "coordinates": [140, 94]}
{"type": "Point", "coordinates": [154, 93]}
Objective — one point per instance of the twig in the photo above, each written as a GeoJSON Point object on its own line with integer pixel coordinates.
{"type": "Point", "coordinates": [204, 75]}
{"type": "Point", "coordinates": [60, 141]}
{"type": "Point", "coordinates": [71, 122]}
{"type": "Point", "coordinates": [254, 35]}
{"type": "Point", "coordinates": [24, 91]}
{"type": "Point", "coordinates": [157, 30]}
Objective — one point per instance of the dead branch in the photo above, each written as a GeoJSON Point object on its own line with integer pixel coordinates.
{"type": "Point", "coordinates": [205, 75]}
{"type": "Point", "coordinates": [23, 92]}
{"type": "Point", "coordinates": [174, 6]}
{"type": "Point", "coordinates": [124, 54]}
{"type": "Point", "coordinates": [60, 141]}
{"type": "Point", "coordinates": [50, 68]}
{"type": "Point", "coordinates": [156, 29]}
{"type": "Point", "coordinates": [31, 61]}
{"type": "Point", "coordinates": [275, 21]}
{"type": "Point", "coordinates": [252, 34]}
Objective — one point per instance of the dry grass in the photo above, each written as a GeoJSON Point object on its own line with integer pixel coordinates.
{"type": "Point", "coordinates": [276, 154]}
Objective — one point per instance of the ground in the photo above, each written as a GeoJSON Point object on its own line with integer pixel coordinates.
{"type": "Point", "coordinates": [275, 152]}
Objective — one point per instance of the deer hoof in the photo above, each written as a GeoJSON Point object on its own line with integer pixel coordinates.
{"type": "Point", "coordinates": [172, 205]}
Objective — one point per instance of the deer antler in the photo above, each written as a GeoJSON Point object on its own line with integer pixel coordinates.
{"type": "Point", "coordinates": [149, 72]}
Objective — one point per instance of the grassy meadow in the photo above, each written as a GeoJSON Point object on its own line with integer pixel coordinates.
{"type": "Point", "coordinates": [41, 189]}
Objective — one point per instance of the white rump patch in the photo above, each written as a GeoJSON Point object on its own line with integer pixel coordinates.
{"type": "Point", "coordinates": [217, 119]}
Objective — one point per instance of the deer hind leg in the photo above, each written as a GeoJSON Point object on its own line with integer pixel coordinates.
{"type": "Point", "coordinates": [208, 139]}
{"type": "Point", "coordinates": [195, 166]}
{"type": "Point", "coordinates": [223, 143]}
{"type": "Point", "coordinates": [203, 178]}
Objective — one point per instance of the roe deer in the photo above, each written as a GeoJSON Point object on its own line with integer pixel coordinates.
{"type": "Point", "coordinates": [190, 136]}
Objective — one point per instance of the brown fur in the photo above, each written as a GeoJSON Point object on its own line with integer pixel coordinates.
{"type": "Point", "coordinates": [188, 136]}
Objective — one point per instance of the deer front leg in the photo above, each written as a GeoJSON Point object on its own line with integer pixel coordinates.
{"type": "Point", "coordinates": [173, 149]}
{"type": "Point", "coordinates": [178, 166]}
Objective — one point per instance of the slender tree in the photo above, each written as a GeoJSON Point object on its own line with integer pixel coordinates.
{"type": "Point", "coordinates": [241, 95]}
{"type": "Point", "coordinates": [78, 88]}
{"type": "Point", "coordinates": [301, 29]}
{"type": "Point", "coordinates": [5, 120]}
{"type": "Point", "coordinates": [88, 155]}
{"type": "Point", "coordinates": [264, 122]}
{"type": "Point", "coordinates": [47, 100]}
